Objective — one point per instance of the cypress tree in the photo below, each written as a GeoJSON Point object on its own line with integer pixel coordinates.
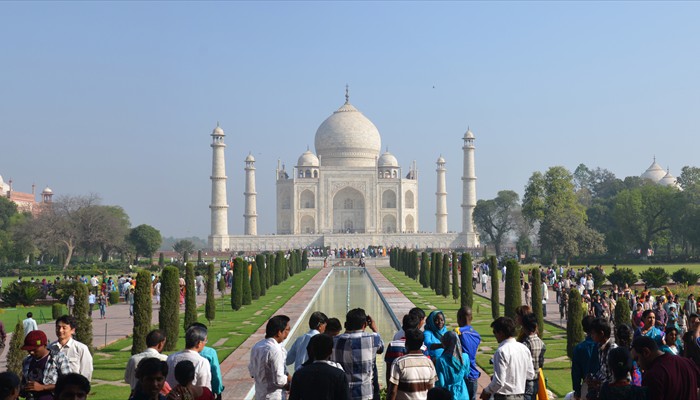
{"type": "Point", "coordinates": [270, 268]}
{"type": "Point", "coordinates": [190, 297]}
{"type": "Point", "coordinates": [467, 291]}
{"type": "Point", "coordinates": [495, 304]}
{"type": "Point", "coordinates": [416, 264]}
{"type": "Point", "coordinates": [83, 331]}
{"type": "Point", "coordinates": [305, 260]}
{"type": "Point", "coordinates": [445, 275]}
{"type": "Point", "coordinates": [161, 260]}
{"type": "Point", "coordinates": [199, 257]}
{"type": "Point", "coordinates": [455, 277]}
{"type": "Point", "coordinates": [392, 258]}
{"type": "Point", "coordinates": [574, 329]}
{"type": "Point", "coordinates": [15, 354]}
{"type": "Point", "coordinates": [513, 296]}
{"type": "Point", "coordinates": [169, 314]}
{"type": "Point", "coordinates": [143, 311]}
{"type": "Point", "coordinates": [424, 271]}
{"type": "Point", "coordinates": [254, 281]}
{"type": "Point", "coordinates": [210, 306]}
{"type": "Point", "coordinates": [237, 289]}
{"type": "Point", "coordinates": [279, 268]}
{"type": "Point", "coordinates": [299, 261]}
{"type": "Point", "coordinates": [247, 285]}
{"type": "Point", "coordinates": [438, 274]}
{"type": "Point", "coordinates": [186, 257]}
{"type": "Point", "coordinates": [260, 262]}
{"type": "Point", "coordinates": [292, 264]}
{"type": "Point", "coordinates": [623, 313]}
{"type": "Point", "coordinates": [537, 299]}
{"type": "Point", "coordinates": [433, 269]}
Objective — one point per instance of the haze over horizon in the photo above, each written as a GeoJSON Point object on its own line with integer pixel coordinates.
{"type": "Point", "coordinates": [119, 99]}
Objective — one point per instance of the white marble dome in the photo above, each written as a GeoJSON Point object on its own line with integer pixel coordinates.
{"type": "Point", "coordinates": [217, 131]}
{"type": "Point", "coordinates": [47, 190]}
{"type": "Point", "coordinates": [440, 160]}
{"type": "Point", "coordinates": [668, 180]}
{"type": "Point", "coordinates": [387, 160]}
{"type": "Point", "coordinates": [348, 138]}
{"type": "Point", "coordinates": [250, 158]}
{"type": "Point", "coordinates": [654, 173]}
{"type": "Point", "coordinates": [308, 159]}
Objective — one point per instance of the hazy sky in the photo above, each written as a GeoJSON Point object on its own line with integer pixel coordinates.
{"type": "Point", "coordinates": [119, 98]}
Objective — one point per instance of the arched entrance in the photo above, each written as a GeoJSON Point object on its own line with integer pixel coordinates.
{"type": "Point", "coordinates": [348, 211]}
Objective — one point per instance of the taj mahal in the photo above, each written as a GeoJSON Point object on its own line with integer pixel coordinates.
{"type": "Point", "coordinates": [346, 194]}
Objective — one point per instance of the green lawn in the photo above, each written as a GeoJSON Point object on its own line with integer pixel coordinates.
{"type": "Point", "coordinates": [226, 333]}
{"type": "Point", "coordinates": [10, 316]}
{"type": "Point", "coordinates": [557, 367]}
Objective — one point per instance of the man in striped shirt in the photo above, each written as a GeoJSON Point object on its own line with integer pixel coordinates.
{"type": "Point", "coordinates": [412, 375]}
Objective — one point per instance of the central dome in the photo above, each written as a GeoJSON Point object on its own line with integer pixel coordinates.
{"type": "Point", "coordinates": [348, 138]}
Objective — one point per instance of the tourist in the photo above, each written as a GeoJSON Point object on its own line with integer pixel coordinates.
{"type": "Point", "coordinates": [649, 329]}
{"type": "Point", "coordinates": [297, 354]}
{"type": "Point", "coordinates": [434, 329]}
{"type": "Point", "coordinates": [690, 307]}
{"type": "Point", "coordinates": [417, 311]}
{"type": "Point", "coordinates": [520, 312]}
{"type": "Point", "coordinates": [665, 376]}
{"type": "Point", "coordinates": [584, 361]}
{"type": "Point", "coordinates": [29, 324]}
{"type": "Point", "coordinates": [397, 347]}
{"type": "Point", "coordinates": [484, 281]}
{"type": "Point", "coordinates": [185, 389]}
{"type": "Point", "coordinates": [623, 338]}
{"type": "Point", "coordinates": [469, 339]}
{"type": "Point", "coordinates": [70, 303]}
{"type": "Point", "coordinates": [545, 298]}
{"type": "Point", "coordinates": [102, 304]}
{"type": "Point", "coordinates": [320, 379]}
{"type": "Point", "coordinates": [691, 347]}
{"type": "Point", "coordinates": [217, 385]}
{"type": "Point", "coordinates": [512, 363]}
{"type": "Point", "coordinates": [601, 334]}
{"type": "Point", "coordinates": [42, 367]}
{"type": "Point", "coordinates": [333, 327]}
{"type": "Point", "coordinates": [672, 344]}
{"type": "Point", "coordinates": [356, 351]}
{"type": "Point", "coordinates": [155, 340]}
{"type": "Point", "coordinates": [92, 299]}
{"type": "Point", "coordinates": [412, 375]}
{"type": "Point", "coordinates": [452, 367]}
{"type": "Point", "coordinates": [620, 363]}
{"type": "Point", "coordinates": [637, 319]}
{"type": "Point", "coordinates": [526, 289]}
{"type": "Point", "coordinates": [72, 387]}
{"type": "Point", "coordinates": [195, 340]}
{"type": "Point", "coordinates": [151, 374]}
{"type": "Point", "coordinates": [267, 359]}
{"type": "Point", "coordinates": [9, 386]}
{"type": "Point", "coordinates": [537, 350]}
{"type": "Point", "coordinates": [131, 298]}
{"type": "Point", "coordinates": [661, 315]}
{"type": "Point", "coordinates": [78, 354]}
{"type": "Point", "coordinates": [156, 291]}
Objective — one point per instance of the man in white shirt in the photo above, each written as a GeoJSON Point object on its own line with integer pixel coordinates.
{"type": "Point", "coordinates": [298, 355]}
{"type": "Point", "coordinates": [79, 357]}
{"type": "Point", "coordinates": [155, 340]}
{"type": "Point", "coordinates": [195, 340]}
{"type": "Point", "coordinates": [91, 301]}
{"type": "Point", "coordinates": [29, 324]}
{"type": "Point", "coordinates": [267, 361]}
{"type": "Point", "coordinates": [156, 291]}
{"type": "Point", "coordinates": [512, 364]}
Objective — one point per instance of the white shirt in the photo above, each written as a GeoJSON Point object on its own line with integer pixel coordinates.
{"type": "Point", "coordinates": [130, 373]}
{"type": "Point", "coordinates": [298, 354]}
{"type": "Point", "coordinates": [79, 357]}
{"type": "Point", "coordinates": [509, 362]}
{"type": "Point", "coordinates": [29, 325]}
{"type": "Point", "coordinates": [202, 368]}
{"type": "Point", "coordinates": [267, 368]}
{"type": "Point", "coordinates": [91, 299]}
{"type": "Point", "coordinates": [545, 292]}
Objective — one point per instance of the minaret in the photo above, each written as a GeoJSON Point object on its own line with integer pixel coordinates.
{"type": "Point", "coordinates": [218, 240]}
{"type": "Point", "coordinates": [251, 214]}
{"type": "Point", "coordinates": [441, 197]}
{"type": "Point", "coordinates": [468, 190]}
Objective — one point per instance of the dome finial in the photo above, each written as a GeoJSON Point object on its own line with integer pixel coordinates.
{"type": "Point", "coordinates": [347, 94]}
{"type": "Point", "coordinates": [654, 157]}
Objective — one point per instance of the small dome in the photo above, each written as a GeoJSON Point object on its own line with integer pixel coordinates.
{"type": "Point", "coordinates": [469, 134]}
{"type": "Point", "coordinates": [654, 173]}
{"type": "Point", "coordinates": [387, 160]}
{"type": "Point", "coordinates": [348, 138]}
{"type": "Point", "coordinates": [218, 131]}
{"type": "Point", "coordinates": [308, 159]}
{"type": "Point", "coordinates": [440, 160]}
{"type": "Point", "coordinates": [47, 190]}
{"type": "Point", "coordinates": [250, 158]}
{"type": "Point", "coordinates": [668, 180]}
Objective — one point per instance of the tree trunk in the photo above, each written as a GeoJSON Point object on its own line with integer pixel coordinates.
{"type": "Point", "coordinates": [69, 254]}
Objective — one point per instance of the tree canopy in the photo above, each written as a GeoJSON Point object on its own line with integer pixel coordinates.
{"type": "Point", "coordinates": [495, 218]}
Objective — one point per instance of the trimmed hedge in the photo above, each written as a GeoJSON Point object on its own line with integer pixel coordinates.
{"type": "Point", "coordinates": [190, 297]}
{"type": "Point", "coordinates": [143, 311]}
{"type": "Point", "coordinates": [169, 314]}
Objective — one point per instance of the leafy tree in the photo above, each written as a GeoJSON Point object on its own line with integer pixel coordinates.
{"type": "Point", "coordinates": [143, 311]}
{"type": "Point", "coordinates": [190, 297]}
{"type": "Point", "coordinates": [184, 247]}
{"type": "Point", "coordinates": [655, 277]}
{"type": "Point", "coordinates": [260, 262]}
{"type": "Point", "coordinates": [15, 354]}
{"type": "Point", "coordinates": [689, 176]}
{"type": "Point", "coordinates": [424, 278]}
{"type": "Point", "coordinates": [467, 291]}
{"type": "Point", "coordinates": [83, 330]}
{"type": "Point", "coordinates": [685, 276]}
{"type": "Point", "coordinates": [455, 277]}
{"type": "Point", "coordinates": [168, 316]}
{"type": "Point", "coordinates": [513, 296]}
{"type": "Point", "coordinates": [445, 275]}
{"type": "Point", "coordinates": [237, 289]}
{"type": "Point", "coordinates": [7, 209]}
{"type": "Point", "coordinates": [537, 299]}
{"type": "Point", "coordinates": [622, 276]}
{"type": "Point", "coordinates": [254, 281]}
{"type": "Point", "coordinates": [623, 313]}
{"type": "Point", "coordinates": [210, 306]}
{"type": "Point", "coordinates": [495, 218]}
{"type": "Point", "coordinates": [495, 303]}
{"type": "Point", "coordinates": [103, 229]}
{"type": "Point", "coordinates": [438, 273]}
{"type": "Point", "coordinates": [574, 329]}
{"type": "Point", "coordinates": [145, 239]}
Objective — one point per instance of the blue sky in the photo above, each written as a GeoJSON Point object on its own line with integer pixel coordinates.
{"type": "Point", "coordinates": [119, 98]}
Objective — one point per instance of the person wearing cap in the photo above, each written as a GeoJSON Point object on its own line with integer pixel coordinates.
{"type": "Point", "coordinates": [42, 367]}
{"type": "Point", "coordinates": [78, 353]}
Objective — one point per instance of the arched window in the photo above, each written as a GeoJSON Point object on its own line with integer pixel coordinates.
{"type": "Point", "coordinates": [307, 199]}
{"type": "Point", "coordinates": [315, 173]}
{"type": "Point", "coordinates": [389, 199]}
{"type": "Point", "coordinates": [307, 174]}
{"type": "Point", "coordinates": [409, 224]}
{"type": "Point", "coordinates": [408, 199]}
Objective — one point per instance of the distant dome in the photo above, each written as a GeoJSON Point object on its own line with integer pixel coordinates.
{"type": "Point", "coordinates": [654, 173]}
{"type": "Point", "coordinates": [469, 134]}
{"type": "Point", "coordinates": [668, 180]}
{"type": "Point", "coordinates": [387, 160]}
{"type": "Point", "coordinates": [250, 158]}
{"type": "Point", "coordinates": [308, 159]}
{"type": "Point", "coordinates": [218, 131]}
{"type": "Point", "coordinates": [440, 160]}
{"type": "Point", "coordinates": [47, 190]}
{"type": "Point", "coordinates": [348, 138]}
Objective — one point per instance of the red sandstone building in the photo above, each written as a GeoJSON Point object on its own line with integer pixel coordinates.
{"type": "Point", "coordinates": [25, 201]}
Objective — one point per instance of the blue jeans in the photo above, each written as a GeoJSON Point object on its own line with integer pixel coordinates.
{"type": "Point", "coordinates": [531, 389]}
{"type": "Point", "coordinates": [472, 387]}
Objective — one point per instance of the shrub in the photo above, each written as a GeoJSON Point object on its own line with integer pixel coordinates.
{"type": "Point", "coordinates": [537, 299]}
{"type": "Point", "coordinates": [623, 313]}
{"type": "Point", "coordinates": [57, 310]}
{"type": "Point", "coordinates": [61, 290]}
{"type": "Point", "coordinates": [114, 297]}
{"type": "Point", "coordinates": [210, 306]}
{"type": "Point", "coordinates": [260, 262]}
{"type": "Point", "coordinates": [574, 329]}
{"type": "Point", "coordinates": [15, 354]}
{"type": "Point", "coordinates": [622, 276]}
{"type": "Point", "coordinates": [467, 292]}
{"type": "Point", "coordinates": [685, 276]}
{"type": "Point", "coordinates": [143, 311]}
{"type": "Point", "coordinates": [22, 293]}
{"type": "Point", "coordinates": [169, 314]}
{"type": "Point", "coordinates": [83, 330]}
{"type": "Point", "coordinates": [655, 277]}
{"type": "Point", "coordinates": [190, 297]}
{"type": "Point", "coordinates": [495, 303]}
{"type": "Point", "coordinates": [237, 289]}
{"type": "Point", "coordinates": [513, 296]}
{"type": "Point", "coordinates": [254, 281]}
